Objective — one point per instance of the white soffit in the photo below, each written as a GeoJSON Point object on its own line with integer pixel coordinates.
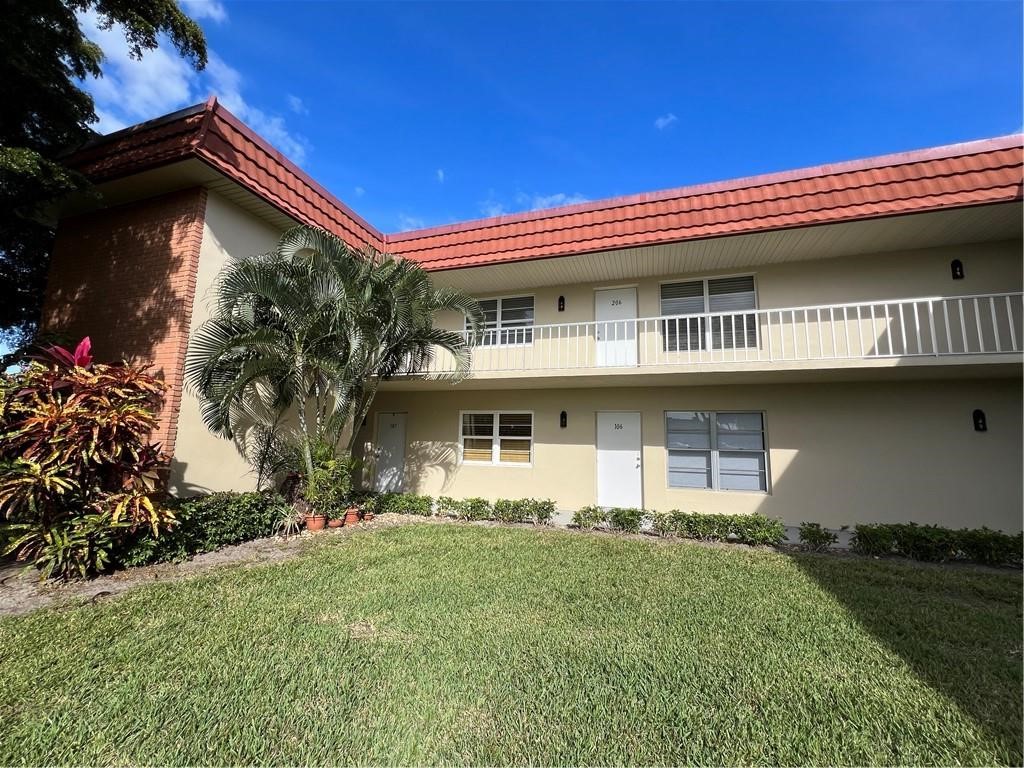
{"type": "Point", "coordinates": [953, 227]}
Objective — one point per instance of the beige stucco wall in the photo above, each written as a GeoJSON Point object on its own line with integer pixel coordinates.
{"type": "Point", "coordinates": [988, 267]}
{"type": "Point", "coordinates": [202, 461]}
{"type": "Point", "coordinates": [838, 453]}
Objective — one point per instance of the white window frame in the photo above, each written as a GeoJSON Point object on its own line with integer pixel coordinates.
{"type": "Point", "coordinates": [498, 328]}
{"type": "Point", "coordinates": [496, 440]}
{"type": "Point", "coordinates": [708, 340]}
{"type": "Point", "coordinates": [713, 437]}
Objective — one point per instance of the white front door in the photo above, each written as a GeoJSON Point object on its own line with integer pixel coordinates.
{"type": "Point", "coordinates": [390, 454]}
{"type": "Point", "coordinates": [615, 313]}
{"type": "Point", "coordinates": [619, 464]}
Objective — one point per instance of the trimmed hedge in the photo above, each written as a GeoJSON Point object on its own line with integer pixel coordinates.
{"type": "Point", "coordinates": [745, 529]}
{"type": "Point", "coordinates": [814, 538]}
{"type": "Point", "coordinates": [538, 511]}
{"type": "Point", "coordinates": [205, 524]}
{"type": "Point", "coordinates": [401, 504]}
{"type": "Point", "coordinates": [588, 517]}
{"type": "Point", "coordinates": [627, 519]}
{"type": "Point", "coordinates": [935, 544]}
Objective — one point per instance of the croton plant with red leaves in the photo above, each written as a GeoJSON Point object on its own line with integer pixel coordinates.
{"type": "Point", "coordinates": [78, 472]}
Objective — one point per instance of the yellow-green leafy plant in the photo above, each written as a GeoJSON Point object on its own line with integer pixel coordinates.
{"type": "Point", "coordinates": [78, 473]}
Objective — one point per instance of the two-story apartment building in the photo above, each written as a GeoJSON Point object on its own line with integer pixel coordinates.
{"type": "Point", "coordinates": [839, 344]}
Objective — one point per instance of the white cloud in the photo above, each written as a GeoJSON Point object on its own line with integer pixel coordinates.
{"type": "Point", "coordinates": [539, 202]}
{"type": "Point", "coordinates": [492, 206]}
{"type": "Point", "coordinates": [213, 10]}
{"type": "Point", "coordinates": [440, 175]}
{"type": "Point", "coordinates": [132, 91]}
{"type": "Point", "coordinates": [226, 84]}
{"type": "Point", "coordinates": [107, 122]}
{"type": "Point", "coordinates": [296, 105]}
{"type": "Point", "coordinates": [359, 191]}
{"type": "Point", "coordinates": [663, 122]}
{"type": "Point", "coordinates": [406, 222]}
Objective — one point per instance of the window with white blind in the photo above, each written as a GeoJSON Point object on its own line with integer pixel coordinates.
{"type": "Point", "coordinates": [507, 321]}
{"type": "Point", "coordinates": [719, 450]}
{"type": "Point", "coordinates": [735, 328]}
{"type": "Point", "coordinates": [497, 437]}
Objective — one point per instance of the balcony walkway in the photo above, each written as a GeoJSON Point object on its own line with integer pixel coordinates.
{"type": "Point", "coordinates": [838, 335]}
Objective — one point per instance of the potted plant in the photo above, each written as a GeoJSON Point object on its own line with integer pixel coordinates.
{"type": "Point", "coordinates": [336, 522]}
{"type": "Point", "coordinates": [315, 520]}
{"type": "Point", "coordinates": [351, 515]}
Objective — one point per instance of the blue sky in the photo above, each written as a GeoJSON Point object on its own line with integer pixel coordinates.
{"type": "Point", "coordinates": [420, 113]}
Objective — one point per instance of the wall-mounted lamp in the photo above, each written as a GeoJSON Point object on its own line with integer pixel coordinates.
{"type": "Point", "coordinates": [561, 303]}
{"type": "Point", "coordinates": [957, 268]}
{"type": "Point", "coordinates": [980, 424]}
{"type": "Point", "coordinates": [563, 420]}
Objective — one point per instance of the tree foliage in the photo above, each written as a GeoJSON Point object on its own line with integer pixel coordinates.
{"type": "Point", "coordinates": [300, 339]}
{"type": "Point", "coordinates": [45, 113]}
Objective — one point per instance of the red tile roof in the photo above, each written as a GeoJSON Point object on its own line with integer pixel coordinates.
{"type": "Point", "coordinates": [212, 134]}
{"type": "Point", "coordinates": [973, 173]}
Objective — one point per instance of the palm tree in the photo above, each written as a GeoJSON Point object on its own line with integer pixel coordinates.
{"type": "Point", "coordinates": [300, 339]}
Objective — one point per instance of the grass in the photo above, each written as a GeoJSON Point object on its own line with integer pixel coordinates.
{"type": "Point", "coordinates": [461, 644]}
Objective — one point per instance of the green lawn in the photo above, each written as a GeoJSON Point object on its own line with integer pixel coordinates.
{"type": "Point", "coordinates": [461, 644]}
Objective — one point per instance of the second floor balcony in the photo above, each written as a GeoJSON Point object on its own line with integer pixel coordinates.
{"type": "Point", "coordinates": [864, 334]}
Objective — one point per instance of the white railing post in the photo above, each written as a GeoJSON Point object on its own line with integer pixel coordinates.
{"type": "Point", "coordinates": [715, 337]}
{"type": "Point", "coordinates": [1009, 320]}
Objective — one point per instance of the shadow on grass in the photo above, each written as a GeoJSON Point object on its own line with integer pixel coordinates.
{"type": "Point", "coordinates": [958, 628]}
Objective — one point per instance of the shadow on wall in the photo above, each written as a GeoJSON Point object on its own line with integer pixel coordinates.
{"type": "Point", "coordinates": [123, 276]}
{"type": "Point", "coordinates": [176, 482]}
{"type": "Point", "coordinates": [425, 460]}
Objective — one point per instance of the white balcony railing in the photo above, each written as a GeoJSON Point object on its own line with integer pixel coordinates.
{"type": "Point", "coordinates": [960, 325]}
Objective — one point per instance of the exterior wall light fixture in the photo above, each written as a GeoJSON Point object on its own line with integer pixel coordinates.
{"type": "Point", "coordinates": [563, 420]}
{"type": "Point", "coordinates": [561, 303]}
{"type": "Point", "coordinates": [980, 424]}
{"type": "Point", "coordinates": [957, 268]}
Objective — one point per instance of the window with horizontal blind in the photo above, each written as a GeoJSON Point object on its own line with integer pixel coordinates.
{"type": "Point", "coordinates": [717, 450]}
{"type": "Point", "coordinates": [732, 299]}
{"type": "Point", "coordinates": [497, 437]}
{"type": "Point", "coordinates": [507, 320]}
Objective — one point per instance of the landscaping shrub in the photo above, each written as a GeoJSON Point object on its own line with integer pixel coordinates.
{"type": "Point", "coordinates": [627, 519]}
{"type": "Point", "coordinates": [539, 511]}
{"type": "Point", "coordinates": [663, 524]}
{"type": "Point", "coordinates": [747, 529]}
{"type": "Point", "coordinates": [447, 506]}
{"type": "Point", "coordinates": [207, 523]}
{"type": "Point", "coordinates": [925, 542]}
{"type": "Point", "coordinates": [933, 543]}
{"type": "Point", "coordinates": [78, 475]}
{"type": "Point", "coordinates": [875, 540]}
{"type": "Point", "coordinates": [542, 510]}
{"type": "Point", "coordinates": [513, 511]}
{"type": "Point", "coordinates": [814, 538]}
{"type": "Point", "coordinates": [588, 517]}
{"type": "Point", "coordinates": [475, 509]}
{"type": "Point", "coordinates": [983, 545]}
{"type": "Point", "coordinates": [403, 504]}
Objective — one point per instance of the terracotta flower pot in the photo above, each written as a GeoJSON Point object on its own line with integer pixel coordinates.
{"type": "Point", "coordinates": [335, 522]}
{"type": "Point", "coordinates": [351, 515]}
{"type": "Point", "coordinates": [315, 522]}
{"type": "Point", "coordinates": [367, 515]}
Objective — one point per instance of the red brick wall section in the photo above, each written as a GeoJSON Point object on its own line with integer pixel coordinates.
{"type": "Point", "coordinates": [126, 277]}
